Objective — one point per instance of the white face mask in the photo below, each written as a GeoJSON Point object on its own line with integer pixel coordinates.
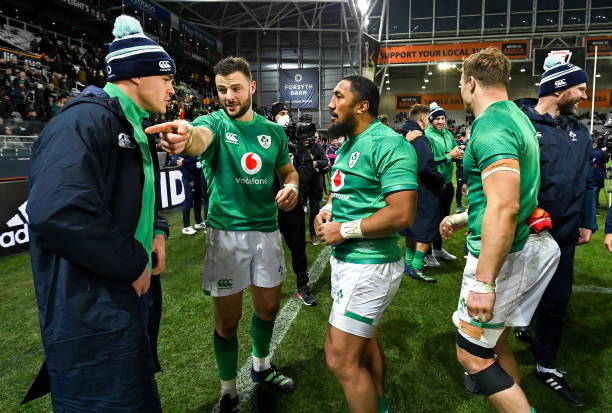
{"type": "Point", "coordinates": [284, 120]}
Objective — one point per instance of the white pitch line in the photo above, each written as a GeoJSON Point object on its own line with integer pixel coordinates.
{"type": "Point", "coordinates": [283, 323]}
{"type": "Point", "coordinates": [591, 289]}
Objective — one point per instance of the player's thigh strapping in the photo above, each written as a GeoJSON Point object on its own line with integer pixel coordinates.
{"type": "Point", "coordinates": [361, 293]}
{"type": "Point", "coordinates": [236, 259]}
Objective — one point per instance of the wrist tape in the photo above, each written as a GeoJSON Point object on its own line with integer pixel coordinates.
{"type": "Point", "coordinates": [351, 229]}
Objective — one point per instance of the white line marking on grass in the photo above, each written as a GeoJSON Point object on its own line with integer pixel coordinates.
{"type": "Point", "coordinates": [591, 289]}
{"type": "Point", "coordinates": [283, 323]}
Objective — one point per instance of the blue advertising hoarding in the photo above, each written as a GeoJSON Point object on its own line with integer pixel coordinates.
{"type": "Point", "coordinates": [300, 87]}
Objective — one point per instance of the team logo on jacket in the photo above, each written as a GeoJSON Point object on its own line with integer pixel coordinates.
{"type": "Point", "coordinates": [251, 163]}
{"type": "Point", "coordinates": [337, 180]}
{"type": "Point", "coordinates": [264, 141]}
{"type": "Point", "coordinates": [573, 136]}
{"type": "Point", "coordinates": [353, 159]}
{"type": "Point", "coordinates": [124, 141]}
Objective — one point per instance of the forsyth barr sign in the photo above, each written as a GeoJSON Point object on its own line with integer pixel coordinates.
{"type": "Point", "coordinates": [300, 87]}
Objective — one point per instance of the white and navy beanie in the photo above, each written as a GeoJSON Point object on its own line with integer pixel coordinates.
{"type": "Point", "coordinates": [559, 75]}
{"type": "Point", "coordinates": [435, 111]}
{"type": "Point", "coordinates": [132, 54]}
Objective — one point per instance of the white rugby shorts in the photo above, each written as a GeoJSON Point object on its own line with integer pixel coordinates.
{"type": "Point", "coordinates": [519, 287]}
{"type": "Point", "coordinates": [361, 293]}
{"type": "Point", "coordinates": [237, 259]}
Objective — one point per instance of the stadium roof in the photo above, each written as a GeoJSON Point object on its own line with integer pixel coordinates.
{"type": "Point", "coordinates": [272, 15]}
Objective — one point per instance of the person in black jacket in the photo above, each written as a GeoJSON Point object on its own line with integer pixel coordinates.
{"type": "Point", "coordinates": [96, 237]}
{"type": "Point", "coordinates": [292, 224]}
{"type": "Point", "coordinates": [425, 227]}
{"type": "Point", "coordinates": [567, 192]}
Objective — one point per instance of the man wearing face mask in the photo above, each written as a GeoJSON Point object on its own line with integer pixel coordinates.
{"type": "Point", "coordinates": [567, 192]}
{"type": "Point", "coordinates": [292, 223]}
{"type": "Point", "coordinates": [309, 160]}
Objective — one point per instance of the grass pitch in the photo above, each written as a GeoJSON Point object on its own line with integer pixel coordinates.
{"type": "Point", "coordinates": [416, 333]}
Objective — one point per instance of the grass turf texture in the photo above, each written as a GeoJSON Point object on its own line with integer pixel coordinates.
{"type": "Point", "coordinates": [416, 332]}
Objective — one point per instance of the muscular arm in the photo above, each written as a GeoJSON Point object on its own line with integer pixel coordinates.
{"type": "Point", "coordinates": [502, 190]}
{"type": "Point", "coordinates": [180, 136]}
{"type": "Point", "coordinates": [397, 215]}
{"type": "Point", "coordinates": [201, 138]}
{"type": "Point", "coordinates": [287, 197]}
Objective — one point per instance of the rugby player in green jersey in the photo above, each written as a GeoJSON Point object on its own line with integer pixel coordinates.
{"type": "Point", "coordinates": [373, 182]}
{"type": "Point", "coordinates": [507, 269]}
{"type": "Point", "coordinates": [240, 152]}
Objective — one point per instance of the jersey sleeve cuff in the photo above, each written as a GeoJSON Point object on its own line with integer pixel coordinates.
{"type": "Point", "coordinates": [494, 158]}
{"type": "Point", "coordinates": [402, 187]}
{"type": "Point", "coordinates": [160, 232]}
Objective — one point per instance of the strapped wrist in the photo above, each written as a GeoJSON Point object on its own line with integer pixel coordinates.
{"type": "Point", "coordinates": [293, 187]}
{"type": "Point", "coordinates": [190, 129]}
{"type": "Point", "coordinates": [351, 229]}
{"type": "Point", "coordinates": [482, 287]}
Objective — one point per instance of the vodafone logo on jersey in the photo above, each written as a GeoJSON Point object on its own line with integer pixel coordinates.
{"type": "Point", "coordinates": [251, 163]}
{"type": "Point", "coordinates": [337, 180]}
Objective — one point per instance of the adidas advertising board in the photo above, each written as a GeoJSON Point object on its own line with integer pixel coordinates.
{"type": "Point", "coordinates": [14, 220]}
{"type": "Point", "coordinates": [14, 236]}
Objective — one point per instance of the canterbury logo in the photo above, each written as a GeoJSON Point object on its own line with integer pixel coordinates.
{"type": "Point", "coordinates": [164, 64]}
{"type": "Point", "coordinates": [225, 284]}
{"type": "Point", "coordinates": [560, 83]}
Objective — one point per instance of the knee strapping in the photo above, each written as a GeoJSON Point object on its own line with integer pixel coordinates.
{"type": "Point", "coordinates": [475, 349]}
{"type": "Point", "coordinates": [492, 380]}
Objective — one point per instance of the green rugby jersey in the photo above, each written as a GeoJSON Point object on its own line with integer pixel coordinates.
{"type": "Point", "coordinates": [502, 131]}
{"type": "Point", "coordinates": [375, 162]}
{"type": "Point", "coordinates": [239, 167]}
{"type": "Point", "coordinates": [441, 144]}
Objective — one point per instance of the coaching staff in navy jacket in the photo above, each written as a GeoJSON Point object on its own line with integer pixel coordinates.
{"type": "Point", "coordinates": [93, 229]}
{"type": "Point", "coordinates": [567, 192]}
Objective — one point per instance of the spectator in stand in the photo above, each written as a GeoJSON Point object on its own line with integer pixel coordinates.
{"type": "Point", "coordinates": [22, 79]}
{"type": "Point", "coordinates": [6, 106]}
{"type": "Point", "coordinates": [332, 148]}
{"type": "Point", "coordinates": [19, 97]}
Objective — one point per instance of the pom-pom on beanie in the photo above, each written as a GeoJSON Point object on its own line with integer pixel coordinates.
{"type": "Point", "coordinates": [559, 75]}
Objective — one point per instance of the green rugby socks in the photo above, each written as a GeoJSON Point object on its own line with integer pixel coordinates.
{"type": "Point", "coordinates": [226, 354]}
{"type": "Point", "coordinates": [419, 260]}
{"type": "Point", "coordinates": [261, 335]}
{"type": "Point", "coordinates": [409, 255]}
{"type": "Point", "coordinates": [383, 404]}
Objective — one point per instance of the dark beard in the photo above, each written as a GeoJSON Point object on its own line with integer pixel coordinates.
{"type": "Point", "coordinates": [343, 128]}
{"type": "Point", "coordinates": [243, 109]}
{"type": "Point", "coordinates": [568, 108]}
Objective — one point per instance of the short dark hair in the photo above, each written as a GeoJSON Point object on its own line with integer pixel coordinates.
{"type": "Point", "coordinates": [233, 64]}
{"type": "Point", "coordinates": [418, 109]}
{"type": "Point", "coordinates": [364, 89]}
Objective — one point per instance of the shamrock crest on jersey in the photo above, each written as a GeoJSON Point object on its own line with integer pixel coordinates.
{"type": "Point", "coordinates": [251, 163]}
{"type": "Point", "coordinates": [353, 159]}
{"type": "Point", "coordinates": [264, 141]}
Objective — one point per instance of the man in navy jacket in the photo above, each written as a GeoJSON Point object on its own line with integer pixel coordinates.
{"type": "Point", "coordinates": [567, 192]}
{"type": "Point", "coordinates": [95, 235]}
{"type": "Point", "coordinates": [431, 183]}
